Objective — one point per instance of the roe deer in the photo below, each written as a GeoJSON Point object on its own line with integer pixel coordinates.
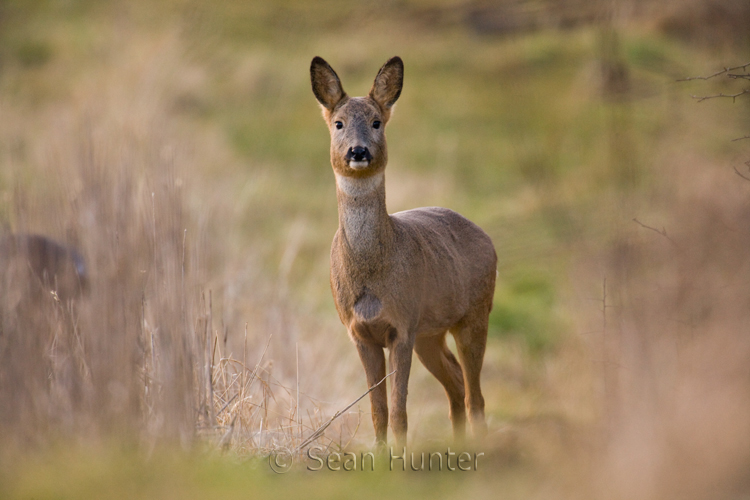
{"type": "Point", "coordinates": [38, 263]}
{"type": "Point", "coordinates": [402, 281]}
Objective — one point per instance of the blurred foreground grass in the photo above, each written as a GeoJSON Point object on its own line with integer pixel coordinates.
{"type": "Point", "coordinates": [122, 472]}
{"type": "Point", "coordinates": [552, 140]}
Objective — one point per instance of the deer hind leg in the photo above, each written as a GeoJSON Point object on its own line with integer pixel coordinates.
{"type": "Point", "coordinates": [373, 360]}
{"type": "Point", "coordinates": [471, 341]}
{"type": "Point", "coordinates": [440, 361]}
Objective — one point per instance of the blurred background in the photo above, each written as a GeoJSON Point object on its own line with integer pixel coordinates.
{"type": "Point", "coordinates": [177, 146]}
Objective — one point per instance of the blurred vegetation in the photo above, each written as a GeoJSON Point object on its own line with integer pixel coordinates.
{"type": "Point", "coordinates": [551, 124]}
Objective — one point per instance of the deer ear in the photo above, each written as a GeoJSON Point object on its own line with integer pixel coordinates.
{"type": "Point", "coordinates": [325, 84]}
{"type": "Point", "coordinates": [388, 83]}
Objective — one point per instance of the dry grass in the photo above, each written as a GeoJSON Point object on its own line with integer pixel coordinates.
{"type": "Point", "coordinates": [146, 353]}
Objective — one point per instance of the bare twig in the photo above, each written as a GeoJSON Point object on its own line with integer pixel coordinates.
{"type": "Point", "coordinates": [604, 338]}
{"type": "Point", "coordinates": [320, 430]}
{"type": "Point", "coordinates": [296, 401]}
{"type": "Point", "coordinates": [663, 231]}
{"type": "Point", "coordinates": [242, 376]}
{"type": "Point", "coordinates": [741, 138]}
{"type": "Point", "coordinates": [732, 96]}
{"type": "Point", "coordinates": [718, 73]}
{"type": "Point", "coordinates": [182, 283]}
{"type": "Point", "coordinates": [210, 361]}
{"type": "Point", "coordinates": [226, 439]}
{"type": "Point", "coordinates": [604, 305]}
{"type": "Point", "coordinates": [738, 173]}
{"type": "Point", "coordinates": [227, 404]}
{"type": "Point", "coordinates": [254, 374]}
{"type": "Point", "coordinates": [359, 421]}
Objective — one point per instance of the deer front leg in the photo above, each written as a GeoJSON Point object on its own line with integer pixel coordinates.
{"type": "Point", "coordinates": [373, 360]}
{"type": "Point", "coordinates": [401, 349]}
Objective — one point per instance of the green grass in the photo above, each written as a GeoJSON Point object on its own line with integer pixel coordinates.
{"type": "Point", "coordinates": [120, 472]}
{"type": "Point", "coordinates": [525, 307]}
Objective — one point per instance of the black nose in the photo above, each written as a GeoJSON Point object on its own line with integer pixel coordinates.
{"type": "Point", "coordinates": [358, 153]}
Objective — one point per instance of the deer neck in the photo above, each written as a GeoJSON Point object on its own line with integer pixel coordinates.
{"type": "Point", "coordinates": [363, 219]}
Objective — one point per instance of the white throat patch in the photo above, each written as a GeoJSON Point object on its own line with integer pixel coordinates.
{"type": "Point", "coordinates": [359, 187]}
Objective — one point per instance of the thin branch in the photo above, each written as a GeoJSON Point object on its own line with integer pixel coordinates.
{"type": "Point", "coordinates": [254, 375]}
{"type": "Point", "coordinates": [320, 430]}
{"type": "Point", "coordinates": [226, 439]}
{"type": "Point", "coordinates": [741, 138]}
{"type": "Point", "coordinates": [227, 404]}
{"type": "Point", "coordinates": [743, 76]}
{"type": "Point", "coordinates": [663, 231]}
{"type": "Point", "coordinates": [725, 70]}
{"type": "Point", "coordinates": [738, 173]}
{"type": "Point", "coordinates": [732, 96]}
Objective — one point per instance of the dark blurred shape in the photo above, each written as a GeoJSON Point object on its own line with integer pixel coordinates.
{"type": "Point", "coordinates": [37, 263]}
{"type": "Point", "coordinates": [33, 53]}
{"type": "Point", "coordinates": [500, 19]}
{"type": "Point", "coordinates": [519, 16]}
{"type": "Point", "coordinates": [706, 22]}
{"type": "Point", "coordinates": [712, 22]}
{"type": "Point", "coordinates": [615, 74]}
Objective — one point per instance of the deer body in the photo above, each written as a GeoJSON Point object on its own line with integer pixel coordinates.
{"type": "Point", "coordinates": [402, 281]}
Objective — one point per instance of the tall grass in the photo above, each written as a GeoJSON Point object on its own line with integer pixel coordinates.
{"type": "Point", "coordinates": [121, 358]}
{"type": "Point", "coordinates": [144, 355]}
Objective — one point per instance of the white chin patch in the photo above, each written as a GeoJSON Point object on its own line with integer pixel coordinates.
{"type": "Point", "coordinates": [359, 164]}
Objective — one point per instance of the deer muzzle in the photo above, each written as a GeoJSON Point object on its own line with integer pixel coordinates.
{"type": "Point", "coordinates": [358, 157]}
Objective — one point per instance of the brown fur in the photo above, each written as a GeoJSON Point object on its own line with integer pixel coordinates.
{"type": "Point", "coordinates": [40, 264]}
{"type": "Point", "coordinates": [403, 281]}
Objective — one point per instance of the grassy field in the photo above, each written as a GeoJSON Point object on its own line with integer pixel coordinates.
{"type": "Point", "coordinates": [178, 146]}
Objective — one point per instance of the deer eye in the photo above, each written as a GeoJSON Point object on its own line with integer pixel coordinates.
{"type": "Point", "coordinates": [339, 125]}
{"type": "Point", "coordinates": [376, 124]}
